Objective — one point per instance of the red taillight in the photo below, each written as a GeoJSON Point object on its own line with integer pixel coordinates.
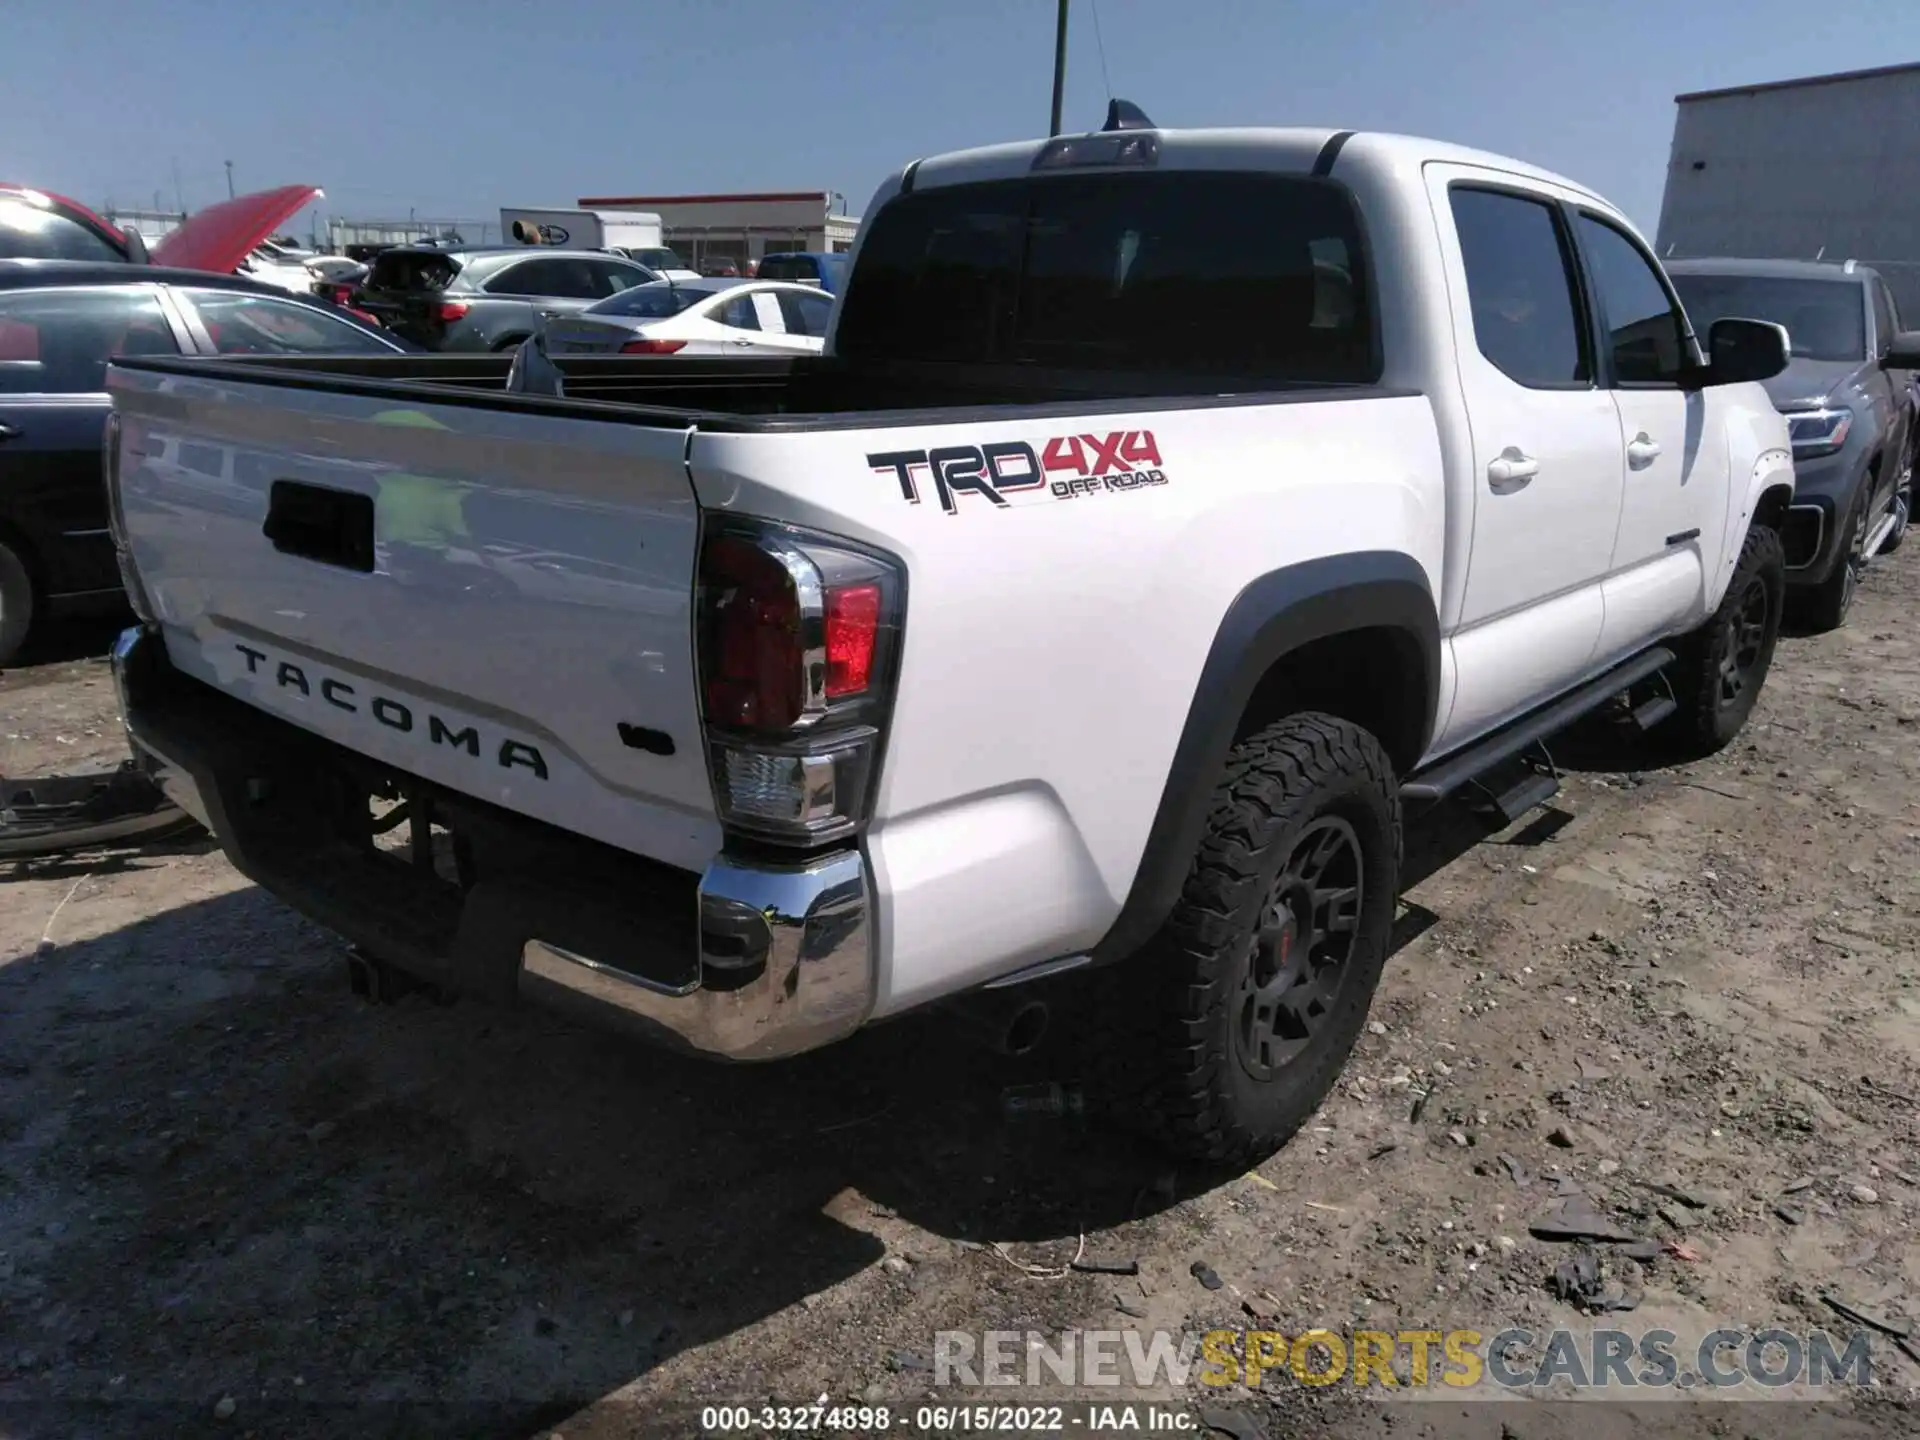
{"type": "Point", "coordinates": [753, 663]}
{"type": "Point", "coordinates": [853, 628]}
{"type": "Point", "coordinates": [451, 310]}
{"type": "Point", "coordinates": [652, 347]}
{"type": "Point", "coordinates": [797, 636]}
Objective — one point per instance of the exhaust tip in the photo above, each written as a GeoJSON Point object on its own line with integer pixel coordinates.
{"type": "Point", "coordinates": [1026, 1028]}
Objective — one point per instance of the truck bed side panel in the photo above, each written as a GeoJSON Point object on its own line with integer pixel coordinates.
{"type": "Point", "coordinates": [525, 619]}
{"type": "Point", "coordinates": [1054, 643]}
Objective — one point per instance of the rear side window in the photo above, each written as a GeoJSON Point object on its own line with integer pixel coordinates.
{"type": "Point", "coordinates": [58, 342]}
{"type": "Point", "coordinates": [805, 314]}
{"type": "Point", "coordinates": [739, 312]}
{"type": "Point", "coordinates": [1645, 329]}
{"type": "Point", "coordinates": [1258, 276]}
{"type": "Point", "coordinates": [241, 324]}
{"type": "Point", "coordinates": [411, 270]}
{"type": "Point", "coordinates": [1520, 288]}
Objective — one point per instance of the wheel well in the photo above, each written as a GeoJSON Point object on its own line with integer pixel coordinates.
{"type": "Point", "coordinates": [506, 342]}
{"type": "Point", "coordinates": [1375, 677]}
{"type": "Point", "coordinates": [1772, 509]}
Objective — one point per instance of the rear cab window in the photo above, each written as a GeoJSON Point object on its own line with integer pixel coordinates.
{"type": "Point", "coordinates": [1211, 273]}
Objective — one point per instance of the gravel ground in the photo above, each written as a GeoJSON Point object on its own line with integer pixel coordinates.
{"type": "Point", "coordinates": [234, 1199]}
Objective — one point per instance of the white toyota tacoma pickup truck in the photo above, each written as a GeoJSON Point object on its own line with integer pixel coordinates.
{"type": "Point", "coordinates": [1169, 510]}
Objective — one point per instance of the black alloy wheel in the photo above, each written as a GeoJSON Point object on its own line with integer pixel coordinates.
{"type": "Point", "coordinates": [1298, 959]}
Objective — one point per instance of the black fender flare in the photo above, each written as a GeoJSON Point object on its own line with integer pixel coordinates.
{"type": "Point", "coordinates": [1276, 614]}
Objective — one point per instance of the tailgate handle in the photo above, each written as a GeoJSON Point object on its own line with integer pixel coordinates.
{"type": "Point", "coordinates": [334, 527]}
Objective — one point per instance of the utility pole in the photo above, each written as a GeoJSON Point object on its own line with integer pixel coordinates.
{"type": "Point", "coordinates": [230, 179]}
{"type": "Point", "coordinates": [179, 195]}
{"type": "Point", "coordinates": [1059, 67]}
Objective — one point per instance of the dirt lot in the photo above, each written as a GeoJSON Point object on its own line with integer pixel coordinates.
{"type": "Point", "coordinates": [223, 1179]}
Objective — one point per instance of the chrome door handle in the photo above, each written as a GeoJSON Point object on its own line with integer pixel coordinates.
{"type": "Point", "coordinates": [1512, 469]}
{"type": "Point", "coordinates": [1642, 451]}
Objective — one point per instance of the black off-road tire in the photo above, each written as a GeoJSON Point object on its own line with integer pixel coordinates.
{"type": "Point", "coordinates": [1721, 666]}
{"type": "Point", "coordinates": [16, 604]}
{"type": "Point", "coordinates": [1293, 789]}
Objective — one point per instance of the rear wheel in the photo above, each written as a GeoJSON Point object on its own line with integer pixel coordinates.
{"type": "Point", "coordinates": [1253, 994]}
{"type": "Point", "coordinates": [16, 604]}
{"type": "Point", "coordinates": [1722, 665]}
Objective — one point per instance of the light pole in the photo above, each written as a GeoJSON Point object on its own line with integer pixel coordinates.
{"type": "Point", "coordinates": [1059, 67]}
{"type": "Point", "coordinates": [230, 178]}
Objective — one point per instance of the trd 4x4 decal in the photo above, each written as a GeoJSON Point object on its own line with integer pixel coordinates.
{"type": "Point", "coordinates": [1007, 472]}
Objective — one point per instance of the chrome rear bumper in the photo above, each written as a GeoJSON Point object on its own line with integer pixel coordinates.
{"type": "Point", "coordinates": [786, 957]}
{"type": "Point", "coordinates": [786, 964]}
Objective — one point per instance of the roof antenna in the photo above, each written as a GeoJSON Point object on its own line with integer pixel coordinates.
{"type": "Point", "coordinates": [1125, 115]}
{"type": "Point", "coordinates": [1101, 41]}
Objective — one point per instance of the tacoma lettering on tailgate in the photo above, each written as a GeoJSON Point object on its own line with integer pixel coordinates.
{"type": "Point", "coordinates": [408, 718]}
{"type": "Point", "coordinates": [1004, 472]}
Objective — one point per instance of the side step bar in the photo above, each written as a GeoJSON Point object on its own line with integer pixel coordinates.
{"type": "Point", "coordinates": [1444, 777]}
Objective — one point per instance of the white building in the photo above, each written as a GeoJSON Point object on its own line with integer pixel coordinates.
{"type": "Point", "coordinates": [1826, 167]}
{"type": "Point", "coordinates": [706, 229]}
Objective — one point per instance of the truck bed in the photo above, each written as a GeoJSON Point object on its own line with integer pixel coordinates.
{"type": "Point", "coordinates": [807, 393]}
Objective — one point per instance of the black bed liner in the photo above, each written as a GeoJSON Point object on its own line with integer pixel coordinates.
{"type": "Point", "coordinates": [751, 395]}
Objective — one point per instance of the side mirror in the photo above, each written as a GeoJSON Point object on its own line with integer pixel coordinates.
{"type": "Point", "coordinates": [137, 250]}
{"type": "Point", "coordinates": [1741, 350]}
{"type": "Point", "coordinates": [1903, 353]}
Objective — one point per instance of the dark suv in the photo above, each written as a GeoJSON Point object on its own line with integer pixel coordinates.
{"type": "Point", "coordinates": [489, 299]}
{"type": "Point", "coordinates": [1849, 403]}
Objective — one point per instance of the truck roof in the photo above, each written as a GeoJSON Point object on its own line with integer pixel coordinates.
{"type": "Point", "coordinates": [1773, 269]}
{"type": "Point", "coordinates": [1296, 147]}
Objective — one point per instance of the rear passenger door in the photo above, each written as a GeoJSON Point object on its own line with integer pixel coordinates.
{"type": "Point", "coordinates": [1546, 476]}
{"type": "Point", "coordinates": [1673, 443]}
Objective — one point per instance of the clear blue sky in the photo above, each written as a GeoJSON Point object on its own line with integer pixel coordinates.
{"type": "Point", "coordinates": [455, 107]}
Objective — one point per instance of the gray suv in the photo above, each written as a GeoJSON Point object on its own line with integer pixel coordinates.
{"type": "Point", "coordinates": [487, 299]}
{"type": "Point", "coordinates": [1849, 398]}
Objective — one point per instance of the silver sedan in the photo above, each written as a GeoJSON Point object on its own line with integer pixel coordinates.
{"type": "Point", "coordinates": [698, 317]}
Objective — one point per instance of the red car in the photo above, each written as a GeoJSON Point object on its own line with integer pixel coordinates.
{"type": "Point", "coordinates": [37, 225]}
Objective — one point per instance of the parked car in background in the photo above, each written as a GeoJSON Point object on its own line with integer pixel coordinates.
{"type": "Point", "coordinates": [37, 225]}
{"type": "Point", "coordinates": [60, 322]}
{"type": "Point", "coordinates": [487, 298]}
{"type": "Point", "coordinates": [807, 268]}
{"type": "Point", "coordinates": [698, 317]}
{"type": "Point", "coordinates": [1848, 396]}
{"type": "Point", "coordinates": [720, 269]}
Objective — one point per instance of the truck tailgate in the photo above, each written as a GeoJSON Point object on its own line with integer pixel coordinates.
{"type": "Point", "coordinates": [496, 600]}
